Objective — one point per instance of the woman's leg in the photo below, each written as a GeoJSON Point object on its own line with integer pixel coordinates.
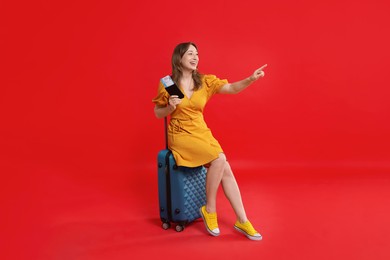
{"type": "Point", "coordinates": [232, 193]}
{"type": "Point", "coordinates": [220, 172]}
{"type": "Point", "coordinates": [213, 180]}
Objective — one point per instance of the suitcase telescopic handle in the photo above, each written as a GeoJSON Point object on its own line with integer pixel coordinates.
{"type": "Point", "coordinates": [166, 132]}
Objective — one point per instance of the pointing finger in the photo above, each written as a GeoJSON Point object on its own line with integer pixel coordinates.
{"type": "Point", "coordinates": [263, 67]}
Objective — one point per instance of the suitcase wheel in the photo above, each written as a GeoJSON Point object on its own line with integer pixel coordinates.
{"type": "Point", "coordinates": [166, 225]}
{"type": "Point", "coordinates": [179, 228]}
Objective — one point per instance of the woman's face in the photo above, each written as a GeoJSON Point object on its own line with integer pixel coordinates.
{"type": "Point", "coordinates": [190, 59]}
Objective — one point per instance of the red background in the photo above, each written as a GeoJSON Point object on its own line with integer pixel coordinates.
{"type": "Point", "coordinates": [78, 133]}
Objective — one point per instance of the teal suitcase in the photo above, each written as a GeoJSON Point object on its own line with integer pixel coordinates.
{"type": "Point", "coordinates": [181, 191]}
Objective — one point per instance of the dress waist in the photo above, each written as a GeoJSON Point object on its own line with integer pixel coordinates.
{"type": "Point", "coordinates": [178, 124]}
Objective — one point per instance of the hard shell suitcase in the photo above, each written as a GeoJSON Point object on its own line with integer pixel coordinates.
{"type": "Point", "coordinates": [181, 191]}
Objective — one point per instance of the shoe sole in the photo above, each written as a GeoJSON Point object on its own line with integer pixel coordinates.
{"type": "Point", "coordinates": [207, 228]}
{"type": "Point", "coordinates": [256, 238]}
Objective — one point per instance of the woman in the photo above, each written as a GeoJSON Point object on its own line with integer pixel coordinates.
{"type": "Point", "coordinates": [192, 142]}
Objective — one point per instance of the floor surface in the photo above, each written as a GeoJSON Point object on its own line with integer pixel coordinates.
{"type": "Point", "coordinates": [302, 213]}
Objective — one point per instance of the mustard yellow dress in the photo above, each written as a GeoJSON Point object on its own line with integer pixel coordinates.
{"type": "Point", "coordinates": [189, 137]}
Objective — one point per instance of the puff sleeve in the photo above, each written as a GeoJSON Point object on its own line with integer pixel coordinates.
{"type": "Point", "coordinates": [162, 96]}
{"type": "Point", "coordinates": [213, 84]}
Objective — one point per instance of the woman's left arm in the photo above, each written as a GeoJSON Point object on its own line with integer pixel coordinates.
{"type": "Point", "coordinates": [238, 86]}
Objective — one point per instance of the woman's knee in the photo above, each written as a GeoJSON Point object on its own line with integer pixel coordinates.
{"type": "Point", "coordinates": [220, 161]}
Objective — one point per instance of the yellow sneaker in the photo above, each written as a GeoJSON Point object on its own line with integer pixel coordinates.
{"type": "Point", "coordinates": [248, 230]}
{"type": "Point", "coordinates": [210, 221]}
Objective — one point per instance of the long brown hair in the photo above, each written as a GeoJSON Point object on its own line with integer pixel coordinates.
{"type": "Point", "coordinates": [177, 72]}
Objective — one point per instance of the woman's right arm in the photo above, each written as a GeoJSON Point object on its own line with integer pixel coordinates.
{"type": "Point", "coordinates": [161, 112]}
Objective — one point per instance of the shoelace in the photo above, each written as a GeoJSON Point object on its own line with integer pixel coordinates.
{"type": "Point", "coordinates": [212, 220]}
{"type": "Point", "coordinates": [248, 228]}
